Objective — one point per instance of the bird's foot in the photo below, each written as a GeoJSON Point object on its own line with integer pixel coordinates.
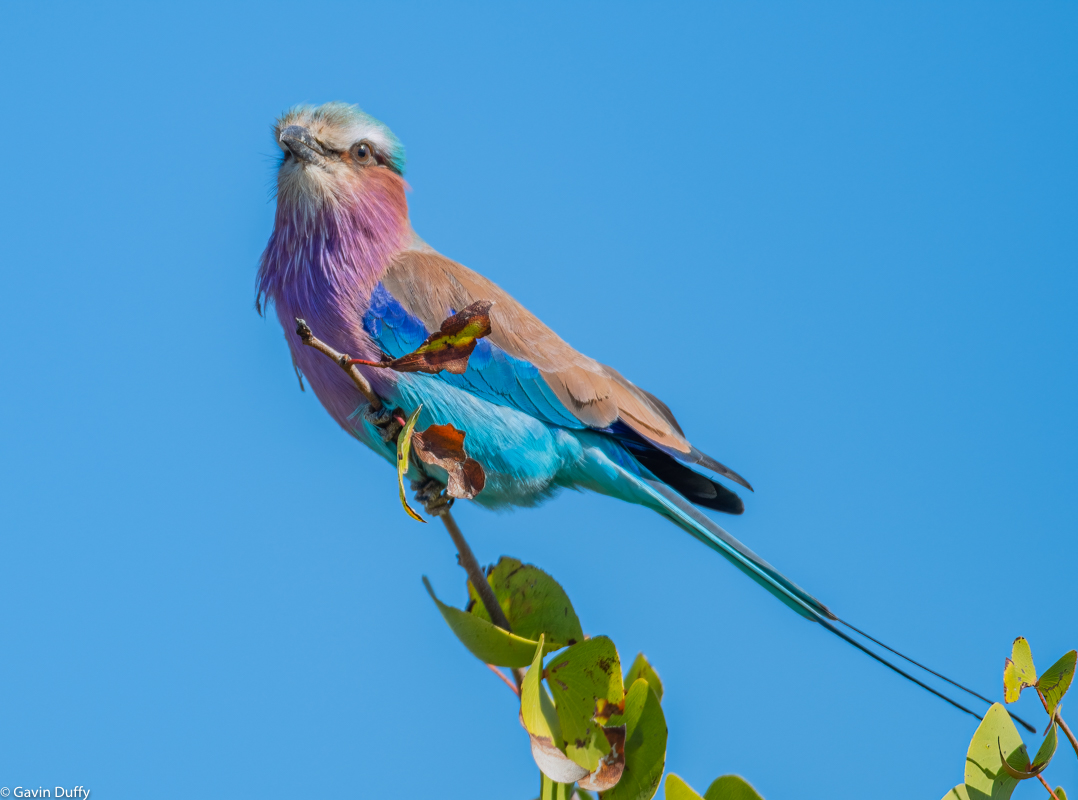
{"type": "Point", "coordinates": [431, 494]}
{"type": "Point", "coordinates": [385, 419]}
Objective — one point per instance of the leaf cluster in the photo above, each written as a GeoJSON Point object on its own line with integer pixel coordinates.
{"type": "Point", "coordinates": [592, 727]}
{"type": "Point", "coordinates": [997, 758]}
{"type": "Point", "coordinates": [589, 723]}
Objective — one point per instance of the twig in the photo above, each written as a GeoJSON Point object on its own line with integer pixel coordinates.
{"type": "Point", "coordinates": [1067, 731]}
{"type": "Point", "coordinates": [303, 331]}
{"type": "Point", "coordinates": [1049, 788]}
{"type": "Point", "coordinates": [464, 552]}
{"type": "Point", "coordinates": [512, 686]}
{"type": "Point", "coordinates": [475, 573]}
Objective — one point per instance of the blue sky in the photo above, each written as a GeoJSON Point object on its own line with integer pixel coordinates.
{"type": "Point", "coordinates": [848, 232]}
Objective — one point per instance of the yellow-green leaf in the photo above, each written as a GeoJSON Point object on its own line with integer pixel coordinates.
{"type": "Point", "coordinates": [642, 669]}
{"type": "Point", "coordinates": [1018, 670]}
{"type": "Point", "coordinates": [404, 449]}
{"type": "Point", "coordinates": [645, 744]}
{"type": "Point", "coordinates": [1060, 793]}
{"type": "Point", "coordinates": [957, 793]}
{"type": "Point", "coordinates": [550, 790]}
{"type": "Point", "coordinates": [533, 602]}
{"type": "Point", "coordinates": [1055, 681]}
{"type": "Point", "coordinates": [677, 789]}
{"type": "Point", "coordinates": [540, 720]}
{"type": "Point", "coordinates": [985, 775]}
{"type": "Point", "coordinates": [585, 680]}
{"type": "Point", "coordinates": [1025, 770]}
{"type": "Point", "coordinates": [1046, 750]}
{"type": "Point", "coordinates": [731, 787]}
{"type": "Point", "coordinates": [536, 708]}
{"type": "Point", "coordinates": [486, 641]}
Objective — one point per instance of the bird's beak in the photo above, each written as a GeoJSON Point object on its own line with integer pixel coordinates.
{"type": "Point", "coordinates": [302, 145]}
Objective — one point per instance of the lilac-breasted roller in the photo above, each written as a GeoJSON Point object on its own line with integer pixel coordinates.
{"type": "Point", "coordinates": [538, 415]}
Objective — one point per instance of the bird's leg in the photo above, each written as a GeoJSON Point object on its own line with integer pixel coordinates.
{"type": "Point", "coordinates": [386, 419]}
{"type": "Point", "coordinates": [431, 493]}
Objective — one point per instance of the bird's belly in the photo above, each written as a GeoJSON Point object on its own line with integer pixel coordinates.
{"type": "Point", "coordinates": [525, 460]}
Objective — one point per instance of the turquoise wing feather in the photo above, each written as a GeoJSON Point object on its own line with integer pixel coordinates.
{"type": "Point", "coordinates": [492, 374]}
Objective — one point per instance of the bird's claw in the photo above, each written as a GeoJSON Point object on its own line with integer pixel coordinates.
{"type": "Point", "coordinates": [432, 495]}
{"type": "Point", "coordinates": [378, 418]}
{"type": "Point", "coordinates": [385, 420]}
{"type": "Point", "coordinates": [438, 505]}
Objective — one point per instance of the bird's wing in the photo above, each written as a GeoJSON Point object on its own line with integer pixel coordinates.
{"type": "Point", "coordinates": [522, 364]}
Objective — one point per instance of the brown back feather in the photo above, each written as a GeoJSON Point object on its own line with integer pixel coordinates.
{"type": "Point", "coordinates": [428, 284]}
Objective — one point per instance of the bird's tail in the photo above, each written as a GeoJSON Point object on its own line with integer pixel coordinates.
{"type": "Point", "coordinates": [684, 514]}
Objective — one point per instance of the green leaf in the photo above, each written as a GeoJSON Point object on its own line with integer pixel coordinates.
{"type": "Point", "coordinates": [1018, 671]}
{"type": "Point", "coordinates": [985, 775]}
{"type": "Point", "coordinates": [1055, 681]}
{"type": "Point", "coordinates": [677, 789]}
{"type": "Point", "coordinates": [731, 787]}
{"type": "Point", "coordinates": [1046, 750]}
{"type": "Point", "coordinates": [645, 744]}
{"type": "Point", "coordinates": [549, 790]}
{"type": "Point", "coordinates": [540, 720]}
{"type": "Point", "coordinates": [536, 708]}
{"type": "Point", "coordinates": [585, 680]}
{"type": "Point", "coordinates": [1060, 793]}
{"type": "Point", "coordinates": [1026, 770]}
{"type": "Point", "coordinates": [642, 669]}
{"type": "Point", "coordinates": [486, 641]}
{"type": "Point", "coordinates": [957, 793]}
{"type": "Point", "coordinates": [533, 603]}
{"type": "Point", "coordinates": [404, 449]}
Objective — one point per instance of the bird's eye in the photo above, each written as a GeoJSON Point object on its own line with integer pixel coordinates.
{"type": "Point", "coordinates": [361, 152]}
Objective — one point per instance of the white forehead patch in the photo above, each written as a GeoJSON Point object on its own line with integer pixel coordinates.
{"type": "Point", "coordinates": [339, 126]}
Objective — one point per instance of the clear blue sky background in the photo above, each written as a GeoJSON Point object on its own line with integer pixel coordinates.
{"type": "Point", "coordinates": [848, 232]}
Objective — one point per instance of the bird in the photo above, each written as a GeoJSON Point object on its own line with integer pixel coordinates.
{"type": "Point", "coordinates": [537, 415]}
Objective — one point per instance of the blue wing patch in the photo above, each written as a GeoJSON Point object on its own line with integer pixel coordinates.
{"type": "Point", "coordinates": [390, 326]}
{"type": "Point", "coordinates": [492, 374]}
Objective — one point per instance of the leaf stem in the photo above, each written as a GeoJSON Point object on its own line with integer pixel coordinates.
{"type": "Point", "coordinates": [1067, 732]}
{"type": "Point", "coordinates": [1049, 788]}
{"type": "Point", "coordinates": [366, 363]}
{"type": "Point", "coordinates": [512, 686]}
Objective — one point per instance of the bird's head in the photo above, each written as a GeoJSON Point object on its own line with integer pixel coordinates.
{"type": "Point", "coordinates": [334, 152]}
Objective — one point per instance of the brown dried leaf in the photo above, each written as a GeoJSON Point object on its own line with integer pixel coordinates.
{"type": "Point", "coordinates": [449, 348]}
{"type": "Point", "coordinates": [443, 446]}
{"type": "Point", "coordinates": [611, 766]}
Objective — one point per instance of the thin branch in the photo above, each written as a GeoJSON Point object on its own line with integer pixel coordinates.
{"type": "Point", "coordinates": [1067, 732]}
{"type": "Point", "coordinates": [475, 572]}
{"type": "Point", "coordinates": [303, 331]}
{"type": "Point", "coordinates": [1049, 788]}
{"type": "Point", "coordinates": [464, 552]}
{"type": "Point", "coordinates": [477, 579]}
{"type": "Point", "coordinates": [512, 686]}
